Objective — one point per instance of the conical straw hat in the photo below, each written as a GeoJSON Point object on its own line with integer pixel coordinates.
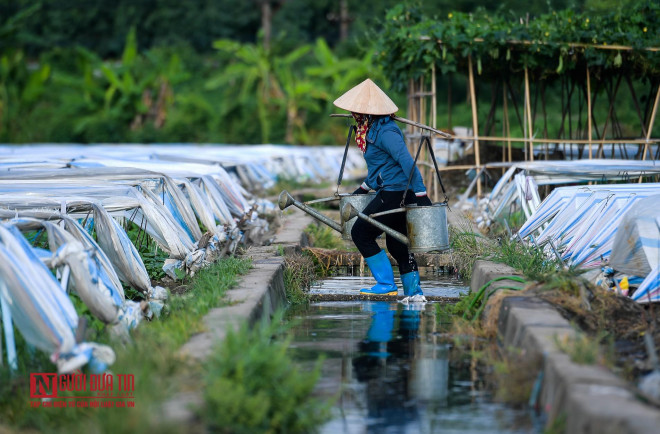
{"type": "Point", "coordinates": [366, 98]}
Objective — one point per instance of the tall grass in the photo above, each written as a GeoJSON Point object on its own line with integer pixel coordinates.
{"type": "Point", "coordinates": [467, 245]}
{"type": "Point", "coordinates": [532, 262]}
{"type": "Point", "coordinates": [299, 274]}
{"type": "Point", "coordinates": [323, 236]}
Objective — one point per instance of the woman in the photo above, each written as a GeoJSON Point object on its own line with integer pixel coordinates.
{"type": "Point", "coordinates": [389, 165]}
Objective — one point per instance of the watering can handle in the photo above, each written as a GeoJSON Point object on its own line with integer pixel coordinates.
{"type": "Point", "coordinates": [437, 171]}
{"type": "Point", "coordinates": [435, 163]}
{"type": "Point", "coordinates": [351, 128]}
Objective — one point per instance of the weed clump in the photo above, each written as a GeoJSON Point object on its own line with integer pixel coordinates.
{"type": "Point", "coordinates": [467, 246]}
{"type": "Point", "coordinates": [299, 274]}
{"type": "Point", "coordinates": [582, 349]}
{"type": "Point", "coordinates": [323, 236]}
{"type": "Point", "coordinates": [253, 385]}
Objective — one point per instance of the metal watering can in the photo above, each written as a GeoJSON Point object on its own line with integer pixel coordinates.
{"type": "Point", "coordinates": [357, 201]}
{"type": "Point", "coordinates": [427, 226]}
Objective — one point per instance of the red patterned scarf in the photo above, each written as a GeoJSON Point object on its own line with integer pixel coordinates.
{"type": "Point", "coordinates": [362, 122]}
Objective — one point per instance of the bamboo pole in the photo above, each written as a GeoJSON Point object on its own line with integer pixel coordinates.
{"type": "Point", "coordinates": [567, 141]}
{"type": "Point", "coordinates": [434, 115]}
{"type": "Point", "coordinates": [503, 131]}
{"type": "Point", "coordinates": [528, 108]}
{"type": "Point", "coordinates": [507, 133]}
{"type": "Point", "coordinates": [475, 124]}
{"type": "Point", "coordinates": [651, 122]}
{"type": "Point", "coordinates": [411, 91]}
{"type": "Point", "coordinates": [512, 139]}
{"type": "Point", "coordinates": [589, 112]}
{"type": "Point", "coordinates": [449, 85]}
{"type": "Point", "coordinates": [404, 121]}
{"type": "Point", "coordinates": [422, 118]}
{"type": "Point", "coordinates": [434, 112]}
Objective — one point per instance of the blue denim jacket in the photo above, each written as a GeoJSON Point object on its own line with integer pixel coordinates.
{"type": "Point", "coordinates": [388, 161]}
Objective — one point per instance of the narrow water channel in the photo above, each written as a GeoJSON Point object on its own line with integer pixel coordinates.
{"type": "Point", "coordinates": [389, 370]}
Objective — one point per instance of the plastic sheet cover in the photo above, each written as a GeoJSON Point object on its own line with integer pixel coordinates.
{"type": "Point", "coordinates": [96, 288]}
{"type": "Point", "coordinates": [40, 308]}
{"type": "Point", "coordinates": [636, 248]}
{"type": "Point", "coordinates": [121, 252]}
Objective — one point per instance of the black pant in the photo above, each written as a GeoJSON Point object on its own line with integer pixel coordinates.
{"type": "Point", "coordinates": [364, 234]}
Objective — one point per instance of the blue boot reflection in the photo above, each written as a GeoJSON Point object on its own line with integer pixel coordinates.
{"type": "Point", "coordinates": [384, 364]}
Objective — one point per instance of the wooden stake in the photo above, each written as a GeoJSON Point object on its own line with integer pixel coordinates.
{"type": "Point", "coordinates": [411, 91]}
{"type": "Point", "coordinates": [507, 132]}
{"type": "Point", "coordinates": [434, 115]}
{"type": "Point", "coordinates": [422, 118]}
{"type": "Point", "coordinates": [434, 112]}
{"type": "Point", "coordinates": [589, 112]}
{"type": "Point", "coordinates": [528, 108]}
{"type": "Point", "coordinates": [651, 122]}
{"type": "Point", "coordinates": [475, 124]}
{"type": "Point", "coordinates": [449, 85]}
{"type": "Point", "coordinates": [503, 130]}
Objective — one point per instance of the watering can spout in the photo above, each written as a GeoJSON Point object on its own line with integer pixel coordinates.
{"type": "Point", "coordinates": [286, 200]}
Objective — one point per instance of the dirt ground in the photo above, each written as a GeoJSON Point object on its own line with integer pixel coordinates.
{"type": "Point", "coordinates": [618, 322]}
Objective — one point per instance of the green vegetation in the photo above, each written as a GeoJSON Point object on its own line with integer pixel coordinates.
{"type": "Point", "coordinates": [515, 373]}
{"type": "Point", "coordinates": [151, 357]}
{"type": "Point", "coordinates": [556, 47]}
{"type": "Point", "coordinates": [582, 349]}
{"type": "Point", "coordinates": [163, 72]}
{"type": "Point", "coordinates": [152, 256]}
{"type": "Point", "coordinates": [531, 262]}
{"type": "Point", "coordinates": [299, 274]}
{"type": "Point", "coordinates": [409, 43]}
{"type": "Point", "coordinates": [323, 236]}
{"type": "Point", "coordinates": [468, 245]}
{"type": "Point", "coordinates": [253, 385]}
{"type": "Point", "coordinates": [557, 426]}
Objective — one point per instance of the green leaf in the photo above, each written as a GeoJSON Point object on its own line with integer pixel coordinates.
{"type": "Point", "coordinates": [130, 49]}
{"type": "Point", "coordinates": [560, 67]}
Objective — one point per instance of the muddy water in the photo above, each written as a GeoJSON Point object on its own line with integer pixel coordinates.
{"type": "Point", "coordinates": [388, 370]}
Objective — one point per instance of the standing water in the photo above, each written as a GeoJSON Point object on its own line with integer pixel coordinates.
{"type": "Point", "coordinates": [388, 369]}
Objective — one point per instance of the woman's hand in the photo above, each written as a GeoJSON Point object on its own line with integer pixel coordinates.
{"type": "Point", "coordinates": [361, 190]}
{"type": "Point", "coordinates": [423, 200]}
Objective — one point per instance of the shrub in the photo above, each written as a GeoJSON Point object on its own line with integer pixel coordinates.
{"type": "Point", "coordinates": [252, 385]}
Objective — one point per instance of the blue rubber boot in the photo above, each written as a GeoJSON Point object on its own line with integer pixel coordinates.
{"type": "Point", "coordinates": [410, 283]}
{"type": "Point", "coordinates": [381, 268]}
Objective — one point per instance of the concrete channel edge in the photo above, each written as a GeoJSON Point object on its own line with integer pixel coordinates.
{"type": "Point", "coordinates": [256, 297]}
{"type": "Point", "coordinates": [590, 399]}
